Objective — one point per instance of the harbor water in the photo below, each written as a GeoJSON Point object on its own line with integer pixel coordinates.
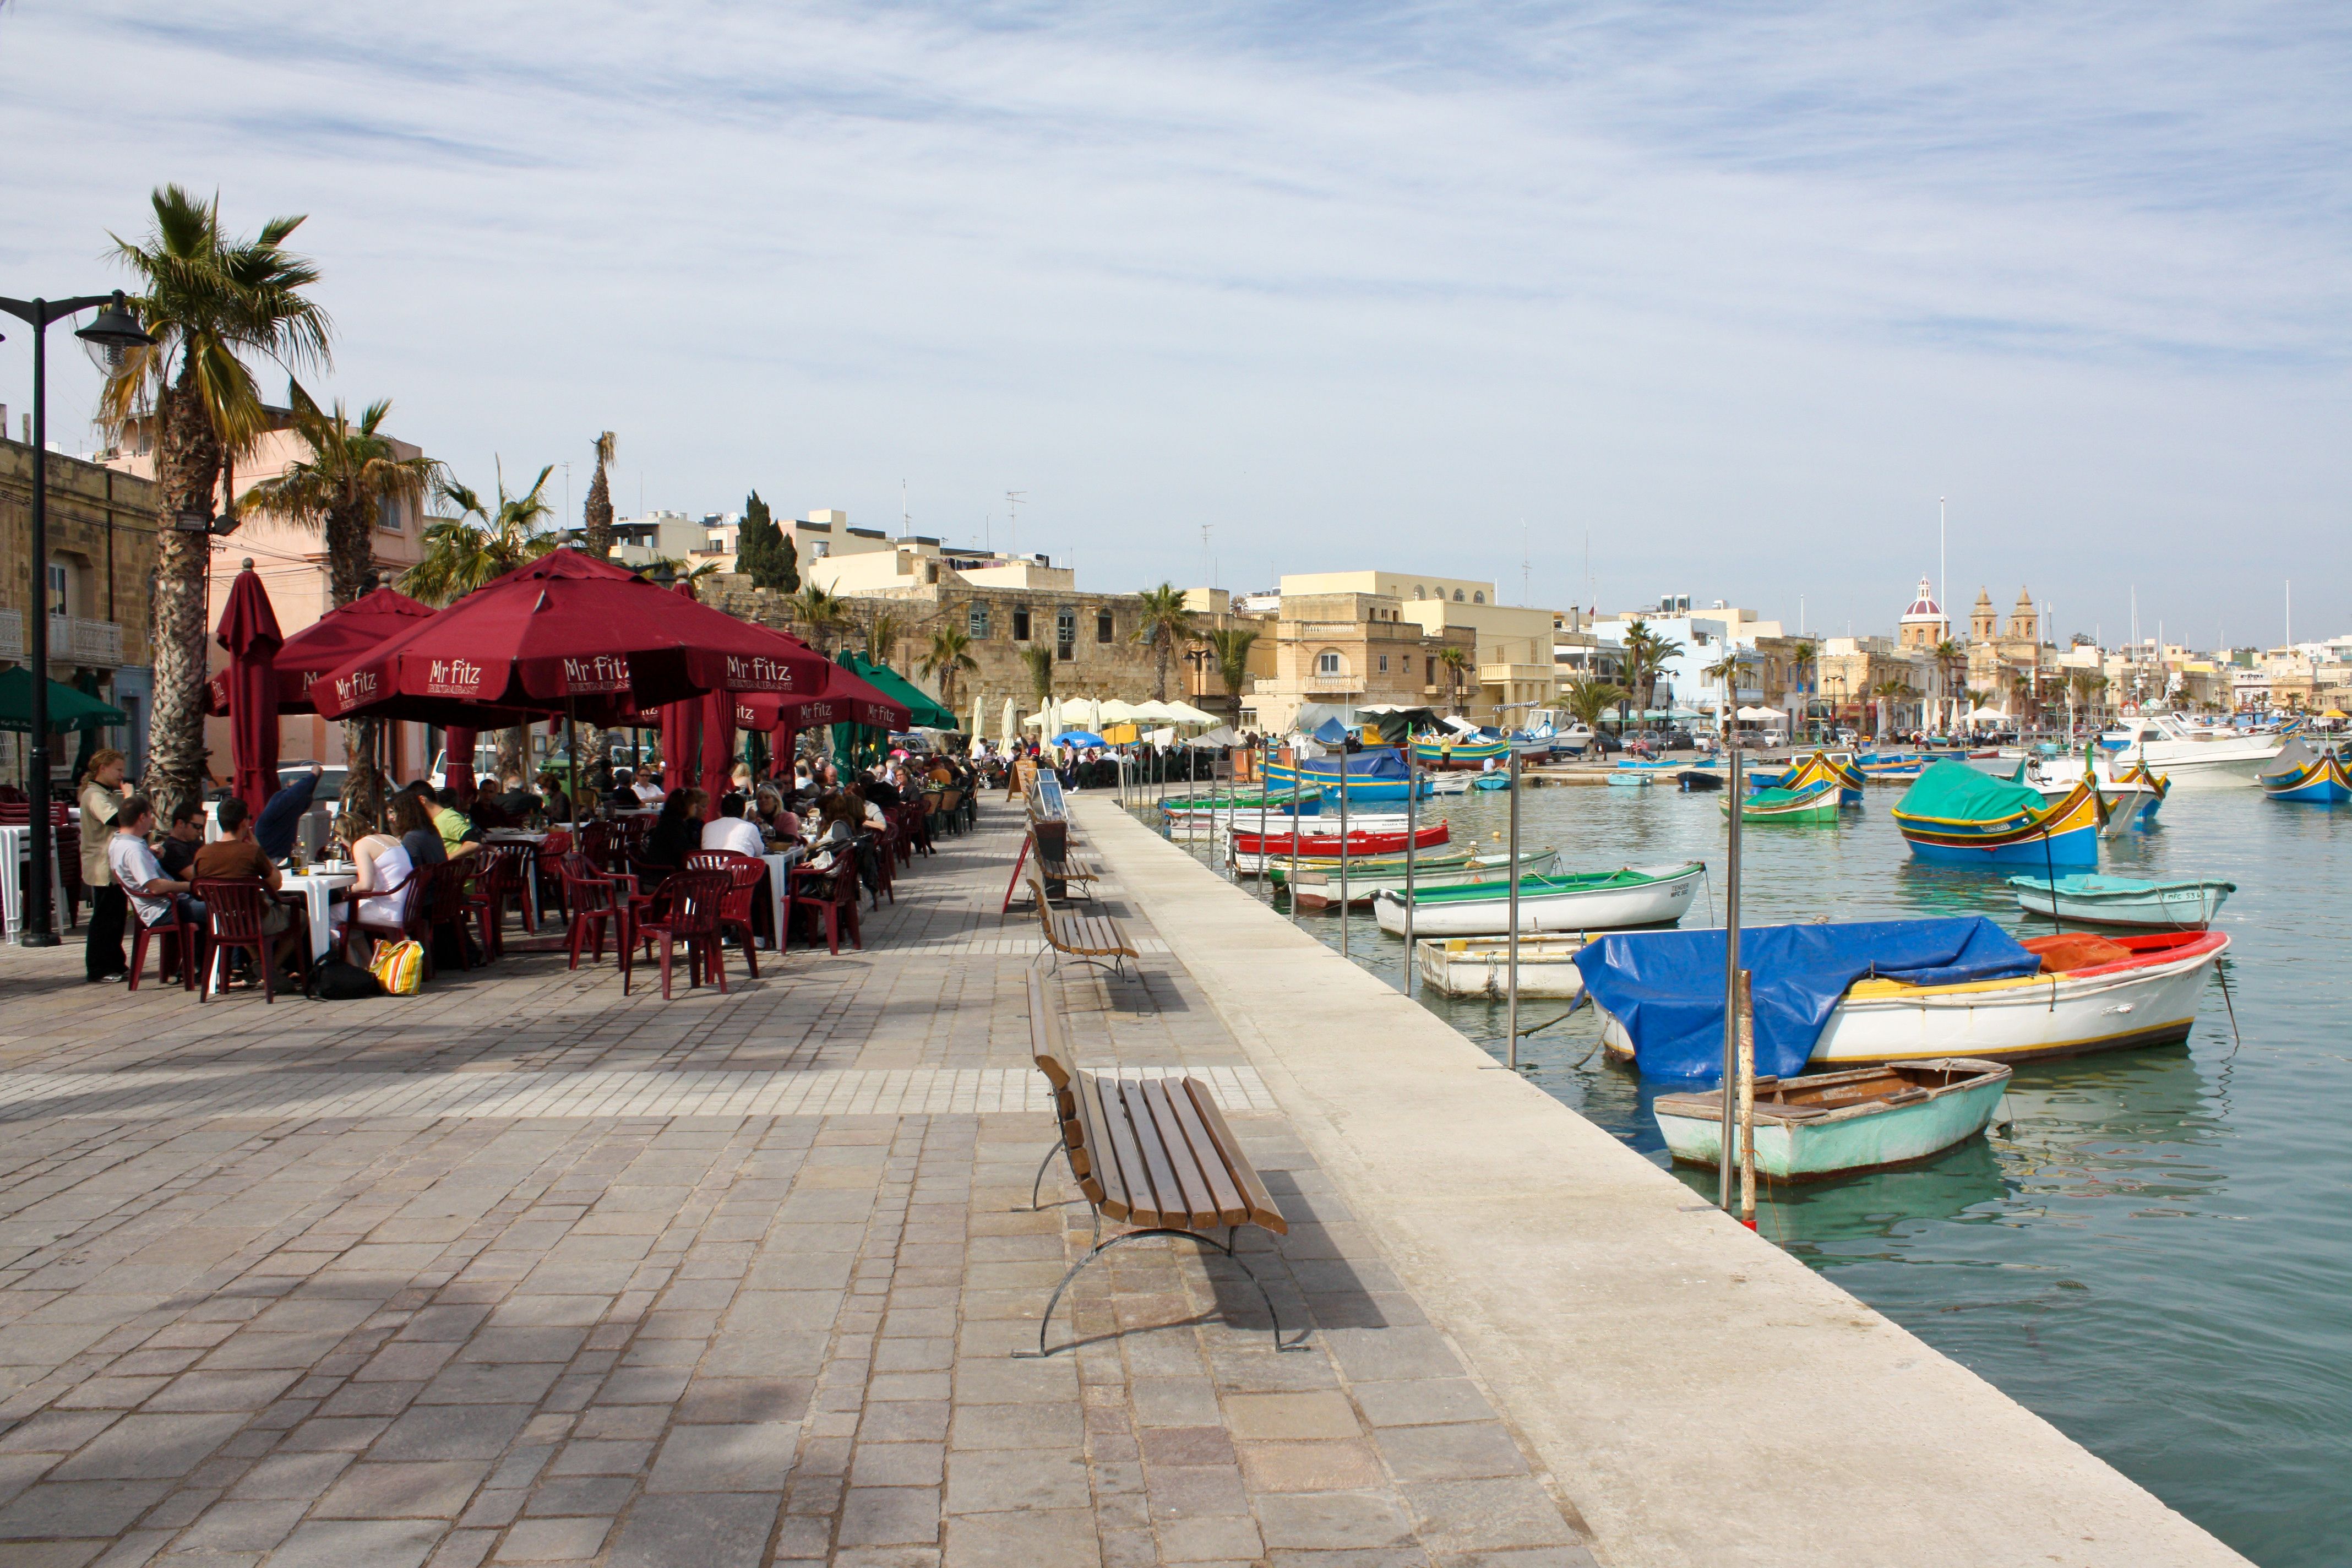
{"type": "Point", "coordinates": [2155, 1254]}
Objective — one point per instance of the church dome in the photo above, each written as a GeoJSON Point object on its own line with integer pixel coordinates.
{"type": "Point", "coordinates": [1924, 607]}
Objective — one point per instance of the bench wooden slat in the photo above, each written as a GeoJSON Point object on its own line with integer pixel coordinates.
{"type": "Point", "coordinates": [1170, 1197]}
{"type": "Point", "coordinates": [1106, 1183]}
{"type": "Point", "coordinates": [1225, 1192]}
{"type": "Point", "coordinates": [1262, 1208]}
{"type": "Point", "coordinates": [1198, 1177]}
{"type": "Point", "coordinates": [1121, 1151]}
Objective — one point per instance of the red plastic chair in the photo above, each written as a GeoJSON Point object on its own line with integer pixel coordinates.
{"type": "Point", "coordinates": [596, 904]}
{"type": "Point", "coordinates": [504, 867]}
{"type": "Point", "coordinates": [446, 901]}
{"type": "Point", "coordinates": [693, 901]}
{"type": "Point", "coordinates": [743, 875]}
{"type": "Point", "coordinates": [235, 909]}
{"type": "Point", "coordinates": [832, 895]}
{"type": "Point", "coordinates": [181, 938]}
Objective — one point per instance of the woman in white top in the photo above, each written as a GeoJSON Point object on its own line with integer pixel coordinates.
{"type": "Point", "coordinates": [381, 862]}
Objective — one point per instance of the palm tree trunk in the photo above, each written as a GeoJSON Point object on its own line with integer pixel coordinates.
{"type": "Point", "coordinates": [187, 466]}
{"type": "Point", "coordinates": [1160, 685]}
{"type": "Point", "coordinates": [351, 555]}
{"type": "Point", "coordinates": [514, 748]}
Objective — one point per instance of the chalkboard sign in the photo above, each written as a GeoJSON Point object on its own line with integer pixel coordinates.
{"type": "Point", "coordinates": [1048, 791]}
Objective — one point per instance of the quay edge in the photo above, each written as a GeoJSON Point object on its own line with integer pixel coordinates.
{"type": "Point", "coordinates": [1699, 1397]}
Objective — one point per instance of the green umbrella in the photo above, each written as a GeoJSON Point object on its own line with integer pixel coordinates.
{"type": "Point", "coordinates": [926, 713]}
{"type": "Point", "coordinates": [69, 709]}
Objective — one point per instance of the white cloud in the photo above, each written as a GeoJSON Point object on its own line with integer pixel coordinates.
{"type": "Point", "coordinates": [1741, 291]}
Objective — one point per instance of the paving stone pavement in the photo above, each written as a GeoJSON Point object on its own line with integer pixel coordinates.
{"type": "Point", "coordinates": [521, 1271]}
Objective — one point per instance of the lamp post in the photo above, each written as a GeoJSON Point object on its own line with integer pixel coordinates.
{"type": "Point", "coordinates": [115, 328]}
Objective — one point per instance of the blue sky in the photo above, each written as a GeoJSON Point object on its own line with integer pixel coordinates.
{"type": "Point", "coordinates": [1734, 291]}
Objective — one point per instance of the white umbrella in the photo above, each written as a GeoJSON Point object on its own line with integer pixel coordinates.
{"type": "Point", "coordinates": [1115, 712]}
{"type": "Point", "coordinates": [1185, 713]}
{"type": "Point", "coordinates": [1759, 715]}
{"type": "Point", "coordinates": [1987, 713]}
{"type": "Point", "coordinates": [977, 700]}
{"type": "Point", "coordinates": [1154, 709]}
{"type": "Point", "coordinates": [1008, 727]}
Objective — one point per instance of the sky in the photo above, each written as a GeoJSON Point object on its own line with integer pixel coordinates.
{"type": "Point", "coordinates": [1598, 301]}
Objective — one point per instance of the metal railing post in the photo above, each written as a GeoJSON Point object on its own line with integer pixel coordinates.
{"type": "Point", "coordinates": [1511, 991]}
{"type": "Point", "coordinates": [1343, 850]}
{"type": "Point", "coordinates": [1411, 827]}
{"type": "Point", "coordinates": [1724, 1166]}
{"type": "Point", "coordinates": [1264, 788]}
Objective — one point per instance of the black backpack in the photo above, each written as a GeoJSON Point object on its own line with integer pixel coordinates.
{"type": "Point", "coordinates": [337, 981]}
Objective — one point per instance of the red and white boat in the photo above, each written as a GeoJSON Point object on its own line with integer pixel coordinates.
{"type": "Point", "coordinates": [1327, 845]}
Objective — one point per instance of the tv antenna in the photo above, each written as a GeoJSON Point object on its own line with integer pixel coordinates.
{"type": "Point", "coordinates": [1013, 500]}
{"type": "Point", "coordinates": [1208, 572]}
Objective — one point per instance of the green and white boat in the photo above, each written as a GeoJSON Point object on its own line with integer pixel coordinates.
{"type": "Point", "coordinates": [1588, 900]}
{"type": "Point", "coordinates": [2083, 899]}
{"type": "Point", "coordinates": [1836, 1123]}
{"type": "Point", "coordinates": [1319, 886]}
{"type": "Point", "coordinates": [1813, 805]}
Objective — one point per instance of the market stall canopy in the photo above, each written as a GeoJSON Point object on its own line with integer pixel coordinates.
{"type": "Point", "coordinates": [920, 709]}
{"type": "Point", "coordinates": [69, 709]}
{"type": "Point", "coordinates": [1986, 713]}
{"type": "Point", "coordinates": [339, 637]}
{"type": "Point", "coordinates": [565, 634]}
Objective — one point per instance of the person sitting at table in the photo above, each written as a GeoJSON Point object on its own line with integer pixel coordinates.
{"type": "Point", "coordinates": [879, 789]}
{"type": "Point", "coordinates": [152, 896]}
{"type": "Point", "coordinates": [382, 864]}
{"type": "Point", "coordinates": [418, 835]}
{"type": "Point", "coordinates": [515, 801]}
{"type": "Point", "coordinates": [874, 816]}
{"type": "Point", "coordinates": [281, 815]}
{"type": "Point", "coordinates": [552, 802]}
{"type": "Point", "coordinates": [677, 831]}
{"type": "Point", "coordinates": [459, 835]}
{"type": "Point", "coordinates": [648, 788]}
{"type": "Point", "coordinates": [781, 819]}
{"type": "Point", "coordinates": [729, 831]}
{"type": "Point", "coordinates": [187, 837]}
{"type": "Point", "coordinates": [234, 857]}
{"type": "Point", "coordinates": [623, 795]}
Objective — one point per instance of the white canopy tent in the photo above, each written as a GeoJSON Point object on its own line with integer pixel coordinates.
{"type": "Point", "coordinates": [1988, 716]}
{"type": "Point", "coordinates": [1762, 716]}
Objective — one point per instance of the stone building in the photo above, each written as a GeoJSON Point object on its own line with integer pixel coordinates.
{"type": "Point", "coordinates": [2000, 657]}
{"type": "Point", "coordinates": [1354, 651]}
{"type": "Point", "coordinates": [1513, 664]}
{"type": "Point", "coordinates": [93, 587]}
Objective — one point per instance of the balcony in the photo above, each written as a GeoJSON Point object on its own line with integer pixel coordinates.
{"type": "Point", "coordinates": [72, 640]}
{"type": "Point", "coordinates": [1331, 684]}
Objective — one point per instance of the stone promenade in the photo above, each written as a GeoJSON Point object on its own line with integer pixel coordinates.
{"type": "Point", "coordinates": [521, 1271]}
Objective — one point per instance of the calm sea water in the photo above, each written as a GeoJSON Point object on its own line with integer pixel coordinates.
{"type": "Point", "coordinates": [2158, 1256]}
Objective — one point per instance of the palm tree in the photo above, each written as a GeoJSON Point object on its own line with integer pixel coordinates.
{"type": "Point", "coordinates": [1454, 660]}
{"type": "Point", "coordinates": [2020, 691]}
{"type": "Point", "coordinates": [1039, 661]}
{"type": "Point", "coordinates": [948, 657]}
{"type": "Point", "coordinates": [1165, 619]}
{"type": "Point", "coordinates": [2081, 685]}
{"type": "Point", "coordinates": [1646, 657]}
{"type": "Point", "coordinates": [1950, 656]}
{"type": "Point", "coordinates": [1725, 673]}
{"type": "Point", "coordinates": [885, 629]}
{"type": "Point", "coordinates": [818, 612]}
{"type": "Point", "coordinates": [460, 556]}
{"type": "Point", "coordinates": [1589, 701]}
{"type": "Point", "coordinates": [1232, 646]}
{"type": "Point", "coordinates": [209, 299]}
{"type": "Point", "coordinates": [1893, 690]}
{"type": "Point", "coordinates": [1802, 660]}
{"type": "Point", "coordinates": [352, 470]}
{"type": "Point", "coordinates": [597, 513]}
{"type": "Point", "coordinates": [681, 571]}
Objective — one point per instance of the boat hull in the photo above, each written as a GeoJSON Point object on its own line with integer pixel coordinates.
{"type": "Point", "coordinates": [2067, 833]}
{"type": "Point", "coordinates": [1320, 887]}
{"type": "Point", "coordinates": [1841, 1144]}
{"type": "Point", "coordinates": [1471, 756]}
{"type": "Point", "coordinates": [2320, 782]}
{"type": "Point", "coordinates": [2186, 905]}
{"type": "Point", "coordinates": [1819, 810]}
{"type": "Point", "coordinates": [1662, 902]}
{"type": "Point", "coordinates": [1481, 966]}
{"type": "Point", "coordinates": [2038, 1017]}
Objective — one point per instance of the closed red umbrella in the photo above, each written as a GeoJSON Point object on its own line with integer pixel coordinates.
{"type": "Point", "coordinates": [564, 635]}
{"type": "Point", "coordinates": [457, 772]}
{"type": "Point", "coordinates": [849, 700]}
{"type": "Point", "coordinates": [341, 635]}
{"type": "Point", "coordinates": [718, 716]}
{"type": "Point", "coordinates": [249, 630]}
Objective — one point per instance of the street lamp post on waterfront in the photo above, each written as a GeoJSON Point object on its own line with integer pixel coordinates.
{"type": "Point", "coordinates": [113, 328]}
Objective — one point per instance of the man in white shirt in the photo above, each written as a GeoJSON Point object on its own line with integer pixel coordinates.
{"type": "Point", "coordinates": [649, 789]}
{"type": "Point", "coordinates": [137, 871]}
{"type": "Point", "coordinates": [727, 830]}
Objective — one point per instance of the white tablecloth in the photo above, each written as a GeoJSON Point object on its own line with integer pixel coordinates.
{"type": "Point", "coordinates": [318, 888]}
{"type": "Point", "coordinates": [779, 888]}
{"type": "Point", "coordinates": [14, 865]}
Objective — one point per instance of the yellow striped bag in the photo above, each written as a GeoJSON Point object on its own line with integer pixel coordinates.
{"type": "Point", "coordinates": [399, 968]}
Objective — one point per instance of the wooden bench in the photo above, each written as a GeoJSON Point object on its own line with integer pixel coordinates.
{"type": "Point", "coordinates": [1089, 939]}
{"type": "Point", "coordinates": [1069, 869]}
{"type": "Point", "coordinates": [1155, 1155]}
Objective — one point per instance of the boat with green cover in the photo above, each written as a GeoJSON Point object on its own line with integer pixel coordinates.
{"type": "Point", "coordinates": [1813, 805]}
{"type": "Point", "coordinates": [1589, 900]}
{"type": "Point", "coordinates": [1955, 816]}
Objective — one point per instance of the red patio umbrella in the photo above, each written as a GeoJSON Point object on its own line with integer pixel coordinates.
{"type": "Point", "coordinates": [249, 630]}
{"type": "Point", "coordinates": [564, 635]}
{"type": "Point", "coordinates": [718, 716]}
{"type": "Point", "coordinates": [340, 636]}
{"type": "Point", "coordinates": [457, 773]}
{"type": "Point", "coordinates": [678, 722]}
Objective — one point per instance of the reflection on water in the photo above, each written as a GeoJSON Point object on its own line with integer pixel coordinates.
{"type": "Point", "coordinates": [2153, 1253]}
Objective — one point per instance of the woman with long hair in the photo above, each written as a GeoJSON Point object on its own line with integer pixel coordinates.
{"type": "Point", "coordinates": [100, 800]}
{"type": "Point", "coordinates": [677, 831]}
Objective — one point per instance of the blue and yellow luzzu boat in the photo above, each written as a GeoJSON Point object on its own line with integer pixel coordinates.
{"type": "Point", "coordinates": [2301, 773]}
{"type": "Point", "coordinates": [1818, 769]}
{"type": "Point", "coordinates": [1955, 816]}
{"type": "Point", "coordinates": [1433, 752]}
{"type": "Point", "coordinates": [1374, 773]}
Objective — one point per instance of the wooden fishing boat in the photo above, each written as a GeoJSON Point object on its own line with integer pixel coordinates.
{"type": "Point", "coordinates": [1890, 768]}
{"type": "Point", "coordinates": [1277, 867]}
{"type": "Point", "coordinates": [1244, 803]}
{"type": "Point", "coordinates": [1815, 806]}
{"type": "Point", "coordinates": [1481, 965]}
{"type": "Point", "coordinates": [2092, 993]}
{"type": "Point", "coordinates": [2082, 899]}
{"type": "Point", "coordinates": [1836, 1123]}
{"type": "Point", "coordinates": [1591, 900]}
{"type": "Point", "coordinates": [1822, 767]}
{"type": "Point", "coordinates": [2301, 773]}
{"type": "Point", "coordinates": [1445, 755]}
{"type": "Point", "coordinates": [1326, 841]}
{"type": "Point", "coordinates": [1319, 886]}
{"type": "Point", "coordinates": [1619, 779]}
{"type": "Point", "coordinates": [1956, 815]}
{"type": "Point", "coordinates": [1449, 783]}
{"type": "Point", "coordinates": [1498, 780]}
{"type": "Point", "coordinates": [1375, 774]}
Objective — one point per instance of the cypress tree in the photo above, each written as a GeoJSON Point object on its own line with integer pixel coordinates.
{"type": "Point", "coordinates": [762, 553]}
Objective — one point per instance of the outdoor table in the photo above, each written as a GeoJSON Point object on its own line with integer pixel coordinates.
{"type": "Point", "coordinates": [317, 887]}
{"type": "Point", "coordinates": [780, 864]}
{"type": "Point", "coordinates": [15, 851]}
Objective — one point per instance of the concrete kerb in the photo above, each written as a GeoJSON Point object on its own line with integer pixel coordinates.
{"type": "Point", "coordinates": [1697, 1395]}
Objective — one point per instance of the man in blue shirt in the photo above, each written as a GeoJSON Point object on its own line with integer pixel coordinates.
{"type": "Point", "coordinates": [280, 821]}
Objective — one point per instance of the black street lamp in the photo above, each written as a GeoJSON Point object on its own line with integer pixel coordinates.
{"type": "Point", "coordinates": [113, 328]}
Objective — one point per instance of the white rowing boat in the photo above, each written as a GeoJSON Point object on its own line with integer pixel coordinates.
{"type": "Point", "coordinates": [1589, 900]}
{"type": "Point", "coordinates": [1320, 889]}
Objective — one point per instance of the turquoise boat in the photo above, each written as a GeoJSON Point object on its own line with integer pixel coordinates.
{"type": "Point", "coordinates": [2302, 775]}
{"type": "Point", "coordinates": [1815, 806]}
{"type": "Point", "coordinates": [2187, 905]}
{"type": "Point", "coordinates": [1837, 1123]}
{"type": "Point", "coordinates": [1374, 773]}
{"type": "Point", "coordinates": [1498, 780]}
{"type": "Point", "coordinates": [1955, 816]}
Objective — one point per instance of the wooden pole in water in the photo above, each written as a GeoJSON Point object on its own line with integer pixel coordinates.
{"type": "Point", "coordinates": [1343, 848]}
{"type": "Point", "coordinates": [1747, 1105]}
{"type": "Point", "coordinates": [1411, 831]}
{"type": "Point", "coordinates": [1730, 981]}
{"type": "Point", "coordinates": [1298, 775]}
{"type": "Point", "coordinates": [1265, 784]}
{"type": "Point", "coordinates": [1511, 993]}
